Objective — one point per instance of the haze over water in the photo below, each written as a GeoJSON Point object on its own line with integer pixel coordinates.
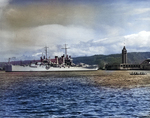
{"type": "Point", "coordinates": [49, 96]}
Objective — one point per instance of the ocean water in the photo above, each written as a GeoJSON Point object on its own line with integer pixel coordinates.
{"type": "Point", "coordinates": [70, 97]}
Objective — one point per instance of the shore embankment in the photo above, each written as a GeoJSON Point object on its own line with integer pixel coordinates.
{"type": "Point", "coordinates": [115, 79]}
{"type": "Point", "coordinates": [122, 79]}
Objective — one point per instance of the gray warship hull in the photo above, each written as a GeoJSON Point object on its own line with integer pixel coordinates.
{"type": "Point", "coordinates": [16, 68]}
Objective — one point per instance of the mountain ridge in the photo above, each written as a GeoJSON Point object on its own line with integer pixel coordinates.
{"type": "Point", "coordinates": [101, 60]}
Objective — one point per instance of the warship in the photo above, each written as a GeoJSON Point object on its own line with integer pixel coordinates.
{"type": "Point", "coordinates": [63, 63]}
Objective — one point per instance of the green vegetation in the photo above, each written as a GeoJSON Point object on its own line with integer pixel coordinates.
{"type": "Point", "coordinates": [101, 60]}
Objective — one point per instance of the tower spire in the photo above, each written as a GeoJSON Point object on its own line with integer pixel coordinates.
{"type": "Point", "coordinates": [124, 43]}
{"type": "Point", "coordinates": [124, 55]}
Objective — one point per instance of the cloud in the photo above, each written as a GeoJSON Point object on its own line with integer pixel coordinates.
{"type": "Point", "coordinates": [34, 15]}
{"type": "Point", "coordinates": [3, 3]}
{"type": "Point", "coordinates": [142, 10]}
{"type": "Point", "coordinates": [53, 37]}
{"type": "Point", "coordinates": [29, 41]}
{"type": "Point", "coordinates": [134, 43]}
{"type": "Point", "coordinates": [58, 34]}
{"type": "Point", "coordinates": [139, 41]}
{"type": "Point", "coordinates": [40, 53]}
{"type": "Point", "coordinates": [87, 27]}
{"type": "Point", "coordinates": [145, 19]}
{"type": "Point", "coordinates": [92, 47]}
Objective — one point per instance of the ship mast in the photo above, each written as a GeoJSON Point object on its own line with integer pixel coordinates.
{"type": "Point", "coordinates": [65, 49]}
{"type": "Point", "coordinates": [46, 51]}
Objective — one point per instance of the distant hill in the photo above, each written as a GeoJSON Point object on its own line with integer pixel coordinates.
{"type": "Point", "coordinates": [101, 60]}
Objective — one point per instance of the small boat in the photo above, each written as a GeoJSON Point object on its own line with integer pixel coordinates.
{"type": "Point", "coordinates": [138, 73]}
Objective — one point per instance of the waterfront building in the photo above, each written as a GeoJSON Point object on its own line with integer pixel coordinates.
{"type": "Point", "coordinates": [145, 65]}
{"type": "Point", "coordinates": [124, 65]}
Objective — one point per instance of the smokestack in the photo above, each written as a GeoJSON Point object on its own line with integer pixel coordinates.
{"type": "Point", "coordinates": [63, 59]}
{"type": "Point", "coordinates": [67, 56]}
{"type": "Point", "coordinates": [41, 59]}
{"type": "Point", "coordinates": [49, 60]}
{"type": "Point", "coordinates": [56, 57]}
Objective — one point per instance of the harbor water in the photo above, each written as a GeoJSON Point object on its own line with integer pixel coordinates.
{"type": "Point", "coordinates": [58, 97]}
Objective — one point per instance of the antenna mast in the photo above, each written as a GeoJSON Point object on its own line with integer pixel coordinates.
{"type": "Point", "coordinates": [124, 43]}
{"type": "Point", "coordinates": [65, 49]}
{"type": "Point", "coordinates": [46, 51]}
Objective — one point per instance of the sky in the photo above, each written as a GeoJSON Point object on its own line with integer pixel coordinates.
{"type": "Point", "coordinates": [88, 27]}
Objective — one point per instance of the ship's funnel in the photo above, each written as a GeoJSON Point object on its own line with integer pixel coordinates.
{"type": "Point", "coordinates": [56, 57]}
